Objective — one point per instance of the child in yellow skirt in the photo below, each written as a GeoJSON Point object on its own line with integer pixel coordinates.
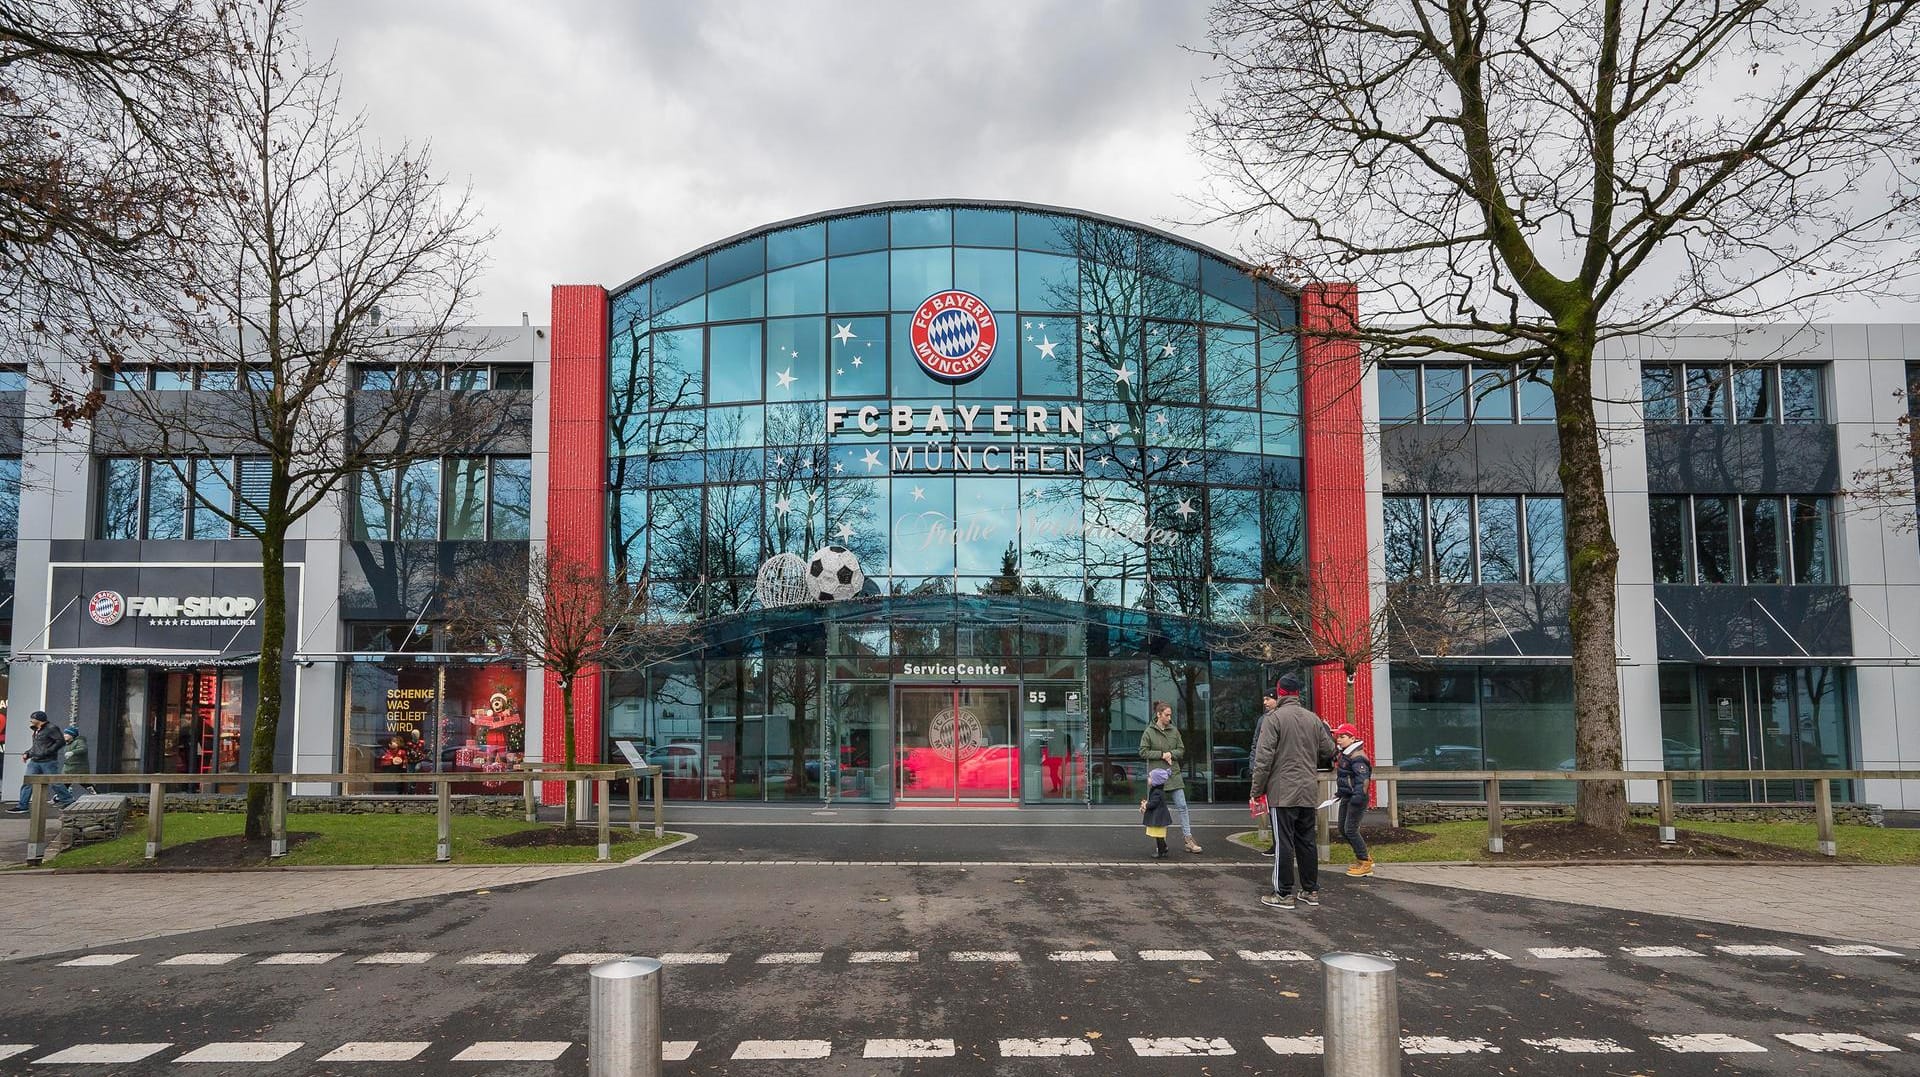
{"type": "Point", "coordinates": [1153, 811]}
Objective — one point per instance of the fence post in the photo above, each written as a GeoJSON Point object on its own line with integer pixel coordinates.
{"type": "Point", "coordinates": [443, 851]}
{"type": "Point", "coordinates": [623, 1018]}
{"type": "Point", "coordinates": [279, 847]}
{"type": "Point", "coordinates": [659, 803]}
{"type": "Point", "coordinates": [156, 812]}
{"type": "Point", "coordinates": [1667, 836]}
{"type": "Point", "coordinates": [37, 822]}
{"type": "Point", "coordinates": [1363, 1016]}
{"type": "Point", "coordinates": [1393, 802]}
{"type": "Point", "coordinates": [1320, 828]}
{"type": "Point", "coordinates": [633, 801]}
{"type": "Point", "coordinates": [526, 792]}
{"type": "Point", "coordinates": [1823, 816]}
{"type": "Point", "coordinates": [606, 819]}
{"type": "Point", "coordinates": [1496, 830]}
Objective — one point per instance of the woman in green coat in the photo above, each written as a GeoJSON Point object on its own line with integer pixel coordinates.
{"type": "Point", "coordinates": [1161, 745]}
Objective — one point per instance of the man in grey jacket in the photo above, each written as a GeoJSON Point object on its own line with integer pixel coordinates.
{"type": "Point", "coordinates": [1293, 745]}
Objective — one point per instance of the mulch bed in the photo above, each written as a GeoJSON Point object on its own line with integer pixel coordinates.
{"type": "Point", "coordinates": [232, 851]}
{"type": "Point", "coordinates": [551, 836]}
{"type": "Point", "coordinates": [1575, 841]}
{"type": "Point", "coordinates": [1390, 835]}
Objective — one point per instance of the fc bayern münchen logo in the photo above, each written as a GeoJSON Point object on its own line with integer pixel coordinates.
{"type": "Point", "coordinates": [107, 607]}
{"type": "Point", "coordinates": [953, 335]}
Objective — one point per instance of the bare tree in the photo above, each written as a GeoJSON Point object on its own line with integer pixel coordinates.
{"type": "Point", "coordinates": [1521, 181]}
{"type": "Point", "coordinates": [1889, 487]}
{"type": "Point", "coordinates": [314, 251]}
{"type": "Point", "coordinates": [97, 98]}
{"type": "Point", "coordinates": [1301, 619]}
{"type": "Point", "coordinates": [570, 619]}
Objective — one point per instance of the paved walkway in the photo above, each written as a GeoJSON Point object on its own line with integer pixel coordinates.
{"type": "Point", "coordinates": [1868, 902]}
{"type": "Point", "coordinates": [45, 913]}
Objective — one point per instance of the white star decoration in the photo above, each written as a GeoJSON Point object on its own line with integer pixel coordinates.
{"type": "Point", "coordinates": [1166, 350]}
{"type": "Point", "coordinates": [857, 361]}
{"type": "Point", "coordinates": [1161, 419]}
{"type": "Point", "coordinates": [783, 506]}
{"type": "Point", "coordinates": [845, 532]}
{"type": "Point", "coordinates": [843, 333]}
{"type": "Point", "coordinates": [839, 372]}
{"type": "Point", "coordinates": [1186, 508]}
{"type": "Point", "coordinates": [1047, 347]}
{"type": "Point", "coordinates": [919, 493]}
{"type": "Point", "coordinates": [839, 468]}
{"type": "Point", "coordinates": [1113, 430]}
{"type": "Point", "coordinates": [1122, 376]}
{"type": "Point", "coordinates": [871, 459]}
{"type": "Point", "coordinates": [786, 378]}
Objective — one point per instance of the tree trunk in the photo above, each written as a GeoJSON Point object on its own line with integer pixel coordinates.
{"type": "Point", "coordinates": [566, 735]}
{"type": "Point", "coordinates": [1593, 562]}
{"type": "Point", "coordinates": [1353, 703]}
{"type": "Point", "coordinates": [273, 642]}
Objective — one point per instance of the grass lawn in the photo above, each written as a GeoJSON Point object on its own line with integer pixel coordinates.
{"type": "Point", "coordinates": [1468, 841]}
{"type": "Point", "coordinates": [357, 839]}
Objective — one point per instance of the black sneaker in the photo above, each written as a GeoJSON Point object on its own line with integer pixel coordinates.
{"type": "Point", "coordinates": [16, 811]}
{"type": "Point", "coordinates": [1311, 897]}
{"type": "Point", "coordinates": [1277, 901]}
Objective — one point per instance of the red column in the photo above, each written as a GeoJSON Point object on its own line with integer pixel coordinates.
{"type": "Point", "coordinates": [1336, 482]}
{"type": "Point", "coordinates": [576, 490]}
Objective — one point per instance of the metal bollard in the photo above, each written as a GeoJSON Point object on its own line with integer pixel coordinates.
{"type": "Point", "coordinates": [623, 1018]}
{"type": "Point", "coordinates": [1363, 1016]}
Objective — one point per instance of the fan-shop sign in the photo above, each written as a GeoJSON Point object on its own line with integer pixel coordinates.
{"type": "Point", "coordinates": [108, 607]}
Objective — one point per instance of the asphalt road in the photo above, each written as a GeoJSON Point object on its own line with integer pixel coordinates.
{"type": "Point", "coordinates": [1117, 965]}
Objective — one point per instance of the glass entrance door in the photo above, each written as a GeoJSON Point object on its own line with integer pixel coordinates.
{"type": "Point", "coordinates": [1053, 745]}
{"type": "Point", "coordinates": [956, 745]}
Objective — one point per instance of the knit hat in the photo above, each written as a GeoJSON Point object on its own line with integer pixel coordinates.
{"type": "Point", "coordinates": [1158, 776]}
{"type": "Point", "coordinates": [72, 730]}
{"type": "Point", "coordinates": [1346, 730]}
{"type": "Point", "coordinates": [37, 716]}
{"type": "Point", "coordinates": [1291, 684]}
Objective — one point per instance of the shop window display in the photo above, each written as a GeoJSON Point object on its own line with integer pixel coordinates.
{"type": "Point", "coordinates": [407, 718]}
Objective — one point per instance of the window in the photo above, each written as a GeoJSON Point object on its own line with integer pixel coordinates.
{"type": "Point", "coordinates": [1484, 539]}
{"type": "Point", "coordinates": [162, 498]}
{"type": "Point", "coordinates": [1753, 539]}
{"type": "Point", "coordinates": [1702, 393]}
{"type": "Point", "coordinates": [1441, 393]}
{"type": "Point", "coordinates": [460, 499]}
{"type": "Point", "coordinates": [513, 376]}
{"type": "Point", "coordinates": [373, 378]}
{"type": "Point", "coordinates": [9, 500]}
{"type": "Point", "coordinates": [13, 379]}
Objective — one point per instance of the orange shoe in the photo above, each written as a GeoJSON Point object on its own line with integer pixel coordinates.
{"type": "Point", "coordinates": [1363, 868]}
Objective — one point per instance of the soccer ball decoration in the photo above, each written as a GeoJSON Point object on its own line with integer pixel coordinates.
{"type": "Point", "coordinates": [834, 573]}
{"type": "Point", "coordinates": [782, 581]}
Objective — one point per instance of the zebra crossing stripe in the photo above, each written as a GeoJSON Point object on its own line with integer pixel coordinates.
{"type": "Point", "coordinates": [301, 958]}
{"type": "Point", "coordinates": [397, 957]}
{"type": "Point", "coordinates": [94, 961]}
{"type": "Point", "coordinates": [514, 1051]}
{"type": "Point", "coordinates": [873, 957]}
{"type": "Point", "coordinates": [693, 959]}
{"type": "Point", "coordinates": [1445, 1045]}
{"type": "Point", "coordinates": [586, 959]}
{"type": "Point", "coordinates": [1295, 1045]}
{"type": "Point", "coordinates": [983, 955]}
{"type": "Point", "coordinates": [1082, 955]}
{"type": "Point", "coordinates": [203, 959]}
{"type": "Point", "coordinates": [1275, 955]}
{"type": "Point", "coordinates": [769, 1050]}
{"type": "Point", "coordinates": [1568, 1045]}
{"type": "Point", "coordinates": [1858, 950]}
{"type": "Point", "coordinates": [241, 1051]}
{"type": "Point", "coordinates": [102, 1054]}
{"type": "Point", "coordinates": [1758, 951]}
{"type": "Point", "coordinates": [497, 959]}
{"type": "Point", "coordinates": [1179, 1046]}
{"type": "Point", "coordinates": [1834, 1042]}
{"type": "Point", "coordinates": [1477, 955]}
{"type": "Point", "coordinates": [377, 1051]}
{"type": "Point", "coordinates": [8, 1050]}
{"type": "Point", "coordinates": [1175, 955]}
{"type": "Point", "coordinates": [1660, 951]}
{"type": "Point", "coordinates": [908, 1049]}
{"type": "Point", "coordinates": [803, 957]}
{"type": "Point", "coordinates": [1046, 1047]}
{"type": "Point", "coordinates": [1709, 1043]}
{"type": "Point", "coordinates": [677, 1050]}
{"type": "Point", "coordinates": [1554, 953]}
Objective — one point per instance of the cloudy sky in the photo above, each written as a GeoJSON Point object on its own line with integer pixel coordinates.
{"type": "Point", "coordinates": [603, 138]}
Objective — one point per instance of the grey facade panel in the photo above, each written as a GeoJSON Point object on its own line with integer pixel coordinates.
{"type": "Point", "coordinates": [175, 421]}
{"type": "Point", "coordinates": [394, 581]}
{"type": "Point", "coordinates": [1463, 459]}
{"type": "Point", "coordinates": [1490, 621]}
{"type": "Point", "coordinates": [498, 421]}
{"type": "Point", "coordinates": [1711, 624]}
{"type": "Point", "coordinates": [13, 410]}
{"type": "Point", "coordinates": [1757, 458]}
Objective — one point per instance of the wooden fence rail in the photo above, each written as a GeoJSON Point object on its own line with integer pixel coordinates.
{"type": "Point", "coordinates": [601, 776]}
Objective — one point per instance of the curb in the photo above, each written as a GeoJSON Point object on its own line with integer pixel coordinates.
{"type": "Point", "coordinates": [586, 865]}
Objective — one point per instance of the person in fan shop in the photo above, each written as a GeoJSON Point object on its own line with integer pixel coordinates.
{"type": "Point", "coordinates": [42, 756]}
{"type": "Point", "coordinates": [1294, 746]}
{"type": "Point", "coordinates": [1161, 745]}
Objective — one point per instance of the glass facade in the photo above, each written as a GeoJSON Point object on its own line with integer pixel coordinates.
{"type": "Point", "coordinates": [1043, 545]}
